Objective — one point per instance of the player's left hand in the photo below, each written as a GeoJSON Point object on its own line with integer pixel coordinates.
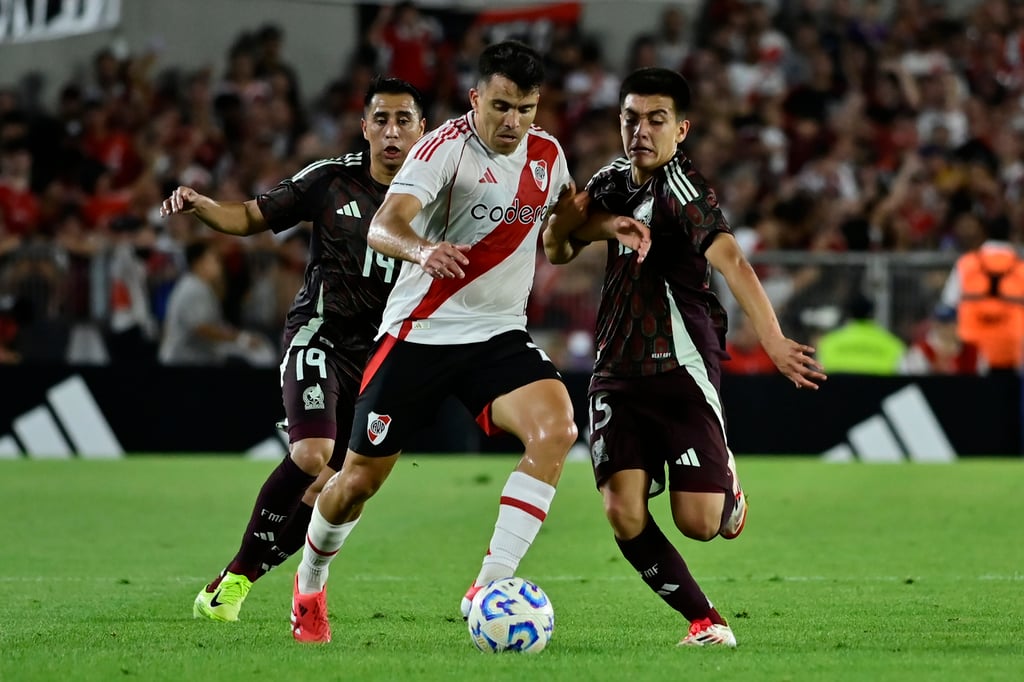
{"type": "Point", "coordinates": [796, 362]}
{"type": "Point", "coordinates": [633, 234]}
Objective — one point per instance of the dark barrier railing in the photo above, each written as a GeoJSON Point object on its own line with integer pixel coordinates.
{"type": "Point", "coordinates": [50, 410]}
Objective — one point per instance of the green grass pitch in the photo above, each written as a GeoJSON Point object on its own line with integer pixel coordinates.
{"type": "Point", "coordinates": [844, 572]}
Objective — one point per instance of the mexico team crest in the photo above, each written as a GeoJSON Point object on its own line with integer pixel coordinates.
{"type": "Point", "coordinates": [377, 426]}
{"type": "Point", "coordinates": [539, 170]}
{"type": "Point", "coordinates": [644, 213]}
{"type": "Point", "coordinates": [313, 397]}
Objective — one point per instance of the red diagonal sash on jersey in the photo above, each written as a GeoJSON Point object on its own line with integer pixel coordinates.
{"type": "Point", "coordinates": [503, 240]}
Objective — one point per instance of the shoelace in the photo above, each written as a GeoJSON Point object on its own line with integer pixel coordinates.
{"type": "Point", "coordinates": [231, 592]}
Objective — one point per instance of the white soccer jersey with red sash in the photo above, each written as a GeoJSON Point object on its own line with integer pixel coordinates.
{"type": "Point", "coordinates": [495, 203]}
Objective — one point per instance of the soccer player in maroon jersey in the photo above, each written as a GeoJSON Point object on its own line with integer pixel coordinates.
{"type": "Point", "coordinates": [329, 329]}
{"type": "Point", "coordinates": [654, 396]}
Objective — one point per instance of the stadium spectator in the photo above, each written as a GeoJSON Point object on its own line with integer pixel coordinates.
{"type": "Point", "coordinates": [867, 87]}
{"type": "Point", "coordinates": [660, 341]}
{"type": "Point", "coordinates": [465, 212]}
{"type": "Point", "coordinates": [20, 208]}
{"type": "Point", "coordinates": [940, 350]}
{"type": "Point", "coordinates": [195, 332]}
{"type": "Point", "coordinates": [133, 328]}
{"type": "Point", "coordinates": [15, 313]}
{"type": "Point", "coordinates": [860, 345]}
{"type": "Point", "coordinates": [329, 329]}
{"type": "Point", "coordinates": [672, 43]}
{"type": "Point", "coordinates": [589, 85]}
{"type": "Point", "coordinates": [271, 65]}
{"type": "Point", "coordinates": [407, 42]}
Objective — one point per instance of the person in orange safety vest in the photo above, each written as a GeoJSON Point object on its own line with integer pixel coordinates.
{"type": "Point", "coordinates": [987, 289]}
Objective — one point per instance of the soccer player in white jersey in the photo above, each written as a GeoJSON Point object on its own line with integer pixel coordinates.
{"type": "Point", "coordinates": [466, 208]}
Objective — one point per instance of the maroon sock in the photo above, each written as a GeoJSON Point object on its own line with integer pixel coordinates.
{"type": "Point", "coordinates": [290, 540]}
{"type": "Point", "coordinates": [276, 503]}
{"type": "Point", "coordinates": [663, 569]}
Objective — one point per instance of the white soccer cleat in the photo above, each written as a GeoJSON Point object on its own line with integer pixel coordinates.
{"type": "Point", "coordinates": [738, 519]}
{"type": "Point", "coordinates": [705, 633]}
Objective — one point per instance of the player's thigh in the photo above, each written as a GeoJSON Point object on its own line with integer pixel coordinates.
{"type": "Point", "coordinates": [317, 388]}
{"type": "Point", "coordinates": [508, 384]}
{"type": "Point", "coordinates": [540, 410]}
{"type": "Point", "coordinates": [402, 389]}
{"type": "Point", "coordinates": [692, 427]}
{"type": "Point", "coordinates": [620, 438]}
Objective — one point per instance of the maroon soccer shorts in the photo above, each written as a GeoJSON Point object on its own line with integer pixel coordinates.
{"type": "Point", "coordinates": [318, 387]}
{"type": "Point", "coordinates": [651, 422]}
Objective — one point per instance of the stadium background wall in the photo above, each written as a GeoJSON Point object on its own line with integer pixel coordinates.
{"type": "Point", "coordinates": [319, 34]}
{"type": "Point", "coordinates": [107, 411]}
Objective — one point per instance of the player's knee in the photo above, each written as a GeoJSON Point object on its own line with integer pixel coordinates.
{"type": "Point", "coordinates": [559, 432]}
{"type": "Point", "coordinates": [359, 484]}
{"type": "Point", "coordinates": [311, 456]}
{"type": "Point", "coordinates": [626, 518]}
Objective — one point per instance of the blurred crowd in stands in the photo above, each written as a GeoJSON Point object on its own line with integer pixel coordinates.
{"type": "Point", "coordinates": [835, 126]}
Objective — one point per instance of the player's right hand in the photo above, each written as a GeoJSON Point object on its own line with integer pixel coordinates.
{"type": "Point", "coordinates": [182, 200]}
{"type": "Point", "coordinates": [444, 260]}
{"type": "Point", "coordinates": [796, 362]}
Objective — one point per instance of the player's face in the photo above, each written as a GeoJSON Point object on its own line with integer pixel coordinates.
{"type": "Point", "coordinates": [503, 113]}
{"type": "Point", "coordinates": [391, 124]}
{"type": "Point", "coordinates": [650, 132]}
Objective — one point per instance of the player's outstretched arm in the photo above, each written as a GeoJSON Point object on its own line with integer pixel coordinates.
{"type": "Point", "coordinates": [567, 215]}
{"type": "Point", "coordinates": [629, 232]}
{"type": "Point", "coordinates": [572, 225]}
{"type": "Point", "coordinates": [391, 234]}
{"type": "Point", "coordinates": [232, 217]}
{"type": "Point", "coordinates": [795, 360]}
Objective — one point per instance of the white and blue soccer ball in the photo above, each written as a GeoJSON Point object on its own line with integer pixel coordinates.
{"type": "Point", "coordinates": [511, 614]}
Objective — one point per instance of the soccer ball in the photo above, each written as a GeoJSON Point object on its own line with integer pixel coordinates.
{"type": "Point", "coordinates": [511, 614]}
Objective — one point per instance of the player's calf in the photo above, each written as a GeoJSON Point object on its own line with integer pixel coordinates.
{"type": "Point", "coordinates": [698, 516]}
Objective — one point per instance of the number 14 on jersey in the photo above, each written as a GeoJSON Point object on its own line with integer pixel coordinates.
{"type": "Point", "coordinates": [386, 263]}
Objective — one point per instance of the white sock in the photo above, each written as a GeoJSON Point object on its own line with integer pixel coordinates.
{"type": "Point", "coordinates": [323, 540]}
{"type": "Point", "coordinates": [524, 506]}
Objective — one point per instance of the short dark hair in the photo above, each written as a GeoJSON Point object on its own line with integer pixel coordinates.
{"type": "Point", "coordinates": [859, 307]}
{"type": "Point", "coordinates": [393, 86]}
{"type": "Point", "coordinates": [196, 250]}
{"type": "Point", "coordinates": [514, 60]}
{"type": "Point", "coordinates": [998, 228]}
{"type": "Point", "coordinates": [657, 81]}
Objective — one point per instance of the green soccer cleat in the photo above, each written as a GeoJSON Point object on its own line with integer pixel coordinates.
{"type": "Point", "coordinates": [222, 599]}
